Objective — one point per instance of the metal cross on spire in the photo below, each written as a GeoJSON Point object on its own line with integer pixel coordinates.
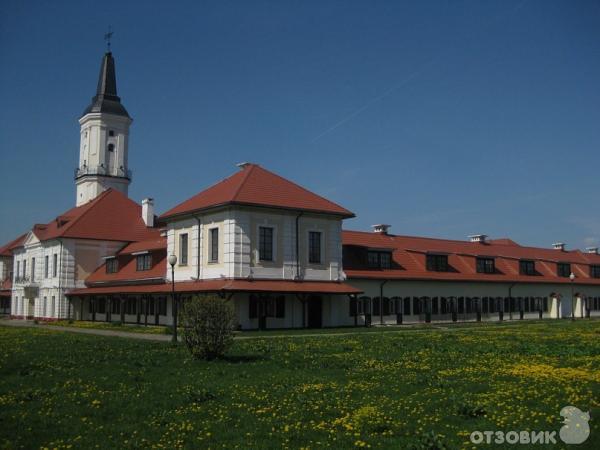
{"type": "Point", "coordinates": [108, 37]}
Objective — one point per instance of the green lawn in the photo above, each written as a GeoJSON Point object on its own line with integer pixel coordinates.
{"type": "Point", "coordinates": [425, 388]}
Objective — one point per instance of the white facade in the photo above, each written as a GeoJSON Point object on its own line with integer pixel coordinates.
{"type": "Point", "coordinates": [102, 155]}
{"type": "Point", "coordinates": [45, 270]}
{"type": "Point", "coordinates": [238, 255]}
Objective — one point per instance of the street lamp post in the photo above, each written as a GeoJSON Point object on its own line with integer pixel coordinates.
{"type": "Point", "coordinates": [572, 278]}
{"type": "Point", "coordinates": [172, 262]}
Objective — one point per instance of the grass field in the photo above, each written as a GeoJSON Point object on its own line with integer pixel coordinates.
{"type": "Point", "coordinates": [426, 388]}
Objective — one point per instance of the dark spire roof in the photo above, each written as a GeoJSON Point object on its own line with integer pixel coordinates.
{"type": "Point", "coordinates": [106, 99]}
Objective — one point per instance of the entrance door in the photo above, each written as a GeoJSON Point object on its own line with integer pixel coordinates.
{"type": "Point", "coordinates": [315, 312]}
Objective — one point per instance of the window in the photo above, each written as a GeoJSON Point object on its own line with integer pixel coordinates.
{"type": "Point", "coordinates": [46, 260]}
{"type": "Point", "coordinates": [144, 262]}
{"type": "Point", "coordinates": [111, 147]}
{"type": "Point", "coordinates": [265, 244]}
{"type": "Point", "coordinates": [527, 267]}
{"type": "Point", "coordinates": [52, 306]}
{"type": "Point", "coordinates": [101, 305]}
{"type": "Point", "coordinates": [269, 306]}
{"type": "Point", "coordinates": [416, 306]}
{"type": "Point", "coordinates": [314, 247]}
{"type": "Point", "coordinates": [373, 259]}
{"type": "Point", "coordinates": [214, 245]}
{"type": "Point", "coordinates": [55, 265]}
{"type": "Point", "coordinates": [407, 306]}
{"type": "Point", "coordinates": [131, 306]}
{"type": "Point", "coordinates": [24, 268]}
{"type": "Point", "coordinates": [18, 268]}
{"type": "Point", "coordinates": [486, 265]}
{"type": "Point", "coordinates": [112, 265]}
{"type": "Point", "coordinates": [115, 307]}
{"type": "Point", "coordinates": [379, 260]}
{"type": "Point", "coordinates": [594, 271]}
{"type": "Point", "coordinates": [111, 133]}
{"type": "Point", "coordinates": [162, 306]}
{"type": "Point", "coordinates": [32, 269]}
{"type": "Point", "coordinates": [563, 270]}
{"type": "Point", "coordinates": [437, 263]}
{"type": "Point", "coordinates": [183, 249]}
{"type": "Point", "coordinates": [280, 307]}
{"type": "Point", "coordinates": [45, 307]}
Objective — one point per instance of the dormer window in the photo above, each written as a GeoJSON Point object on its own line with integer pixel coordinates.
{"type": "Point", "coordinates": [486, 265]}
{"type": "Point", "coordinates": [379, 259]}
{"type": "Point", "coordinates": [437, 263]}
{"type": "Point", "coordinates": [143, 262]}
{"type": "Point", "coordinates": [563, 270]}
{"type": "Point", "coordinates": [112, 265]}
{"type": "Point", "coordinates": [527, 267]}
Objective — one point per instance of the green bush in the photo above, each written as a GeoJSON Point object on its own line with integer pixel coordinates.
{"type": "Point", "coordinates": [208, 323]}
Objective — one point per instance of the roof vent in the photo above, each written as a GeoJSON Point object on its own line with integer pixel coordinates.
{"type": "Point", "coordinates": [593, 250]}
{"type": "Point", "coordinates": [243, 165]}
{"type": "Point", "coordinates": [480, 238]}
{"type": "Point", "coordinates": [558, 246]}
{"type": "Point", "coordinates": [381, 228]}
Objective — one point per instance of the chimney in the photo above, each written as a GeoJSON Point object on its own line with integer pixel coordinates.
{"type": "Point", "coordinates": [480, 238]}
{"type": "Point", "coordinates": [592, 250]}
{"type": "Point", "coordinates": [559, 246]}
{"type": "Point", "coordinates": [381, 228]}
{"type": "Point", "coordinates": [243, 165]}
{"type": "Point", "coordinates": [148, 211]}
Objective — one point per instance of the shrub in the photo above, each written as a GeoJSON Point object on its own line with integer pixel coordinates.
{"type": "Point", "coordinates": [208, 323]}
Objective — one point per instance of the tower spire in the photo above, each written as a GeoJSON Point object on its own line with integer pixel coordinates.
{"type": "Point", "coordinates": [106, 99]}
{"type": "Point", "coordinates": [103, 152]}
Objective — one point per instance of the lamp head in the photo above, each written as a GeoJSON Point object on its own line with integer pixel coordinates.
{"type": "Point", "coordinates": [172, 260]}
{"type": "Point", "coordinates": [572, 276]}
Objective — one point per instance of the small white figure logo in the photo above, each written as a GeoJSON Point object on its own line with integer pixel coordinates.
{"type": "Point", "coordinates": [576, 428]}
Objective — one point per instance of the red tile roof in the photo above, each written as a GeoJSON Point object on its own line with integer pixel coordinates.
{"type": "Point", "coordinates": [6, 250]}
{"type": "Point", "coordinates": [256, 186]}
{"type": "Point", "coordinates": [127, 270]}
{"type": "Point", "coordinates": [409, 260]}
{"type": "Point", "coordinates": [111, 216]}
{"type": "Point", "coordinates": [157, 243]}
{"type": "Point", "coordinates": [226, 285]}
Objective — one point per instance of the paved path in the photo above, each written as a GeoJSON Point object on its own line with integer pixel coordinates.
{"type": "Point", "coordinates": [95, 331]}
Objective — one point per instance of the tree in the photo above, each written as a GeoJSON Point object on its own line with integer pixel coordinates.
{"type": "Point", "coordinates": [208, 323]}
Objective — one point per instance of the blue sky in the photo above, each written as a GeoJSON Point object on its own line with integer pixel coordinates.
{"type": "Point", "coordinates": [442, 118]}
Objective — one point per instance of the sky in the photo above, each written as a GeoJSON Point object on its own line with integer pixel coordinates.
{"type": "Point", "coordinates": [441, 118]}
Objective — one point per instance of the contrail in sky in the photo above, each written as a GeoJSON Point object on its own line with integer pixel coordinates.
{"type": "Point", "coordinates": [374, 100]}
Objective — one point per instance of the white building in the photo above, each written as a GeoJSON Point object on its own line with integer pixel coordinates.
{"type": "Point", "coordinates": [274, 249]}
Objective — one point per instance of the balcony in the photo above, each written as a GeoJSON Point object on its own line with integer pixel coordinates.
{"type": "Point", "coordinates": [103, 171]}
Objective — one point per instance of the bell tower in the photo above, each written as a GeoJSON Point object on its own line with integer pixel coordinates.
{"type": "Point", "coordinates": [104, 140]}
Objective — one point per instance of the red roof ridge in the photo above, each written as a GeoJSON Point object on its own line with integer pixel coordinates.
{"type": "Point", "coordinates": [244, 179]}
{"type": "Point", "coordinates": [255, 186]}
{"type": "Point", "coordinates": [297, 185]}
{"type": "Point", "coordinates": [89, 205]}
{"type": "Point", "coordinates": [6, 248]}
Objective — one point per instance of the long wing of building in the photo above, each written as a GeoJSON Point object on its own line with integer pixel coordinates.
{"type": "Point", "coordinates": [272, 247]}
